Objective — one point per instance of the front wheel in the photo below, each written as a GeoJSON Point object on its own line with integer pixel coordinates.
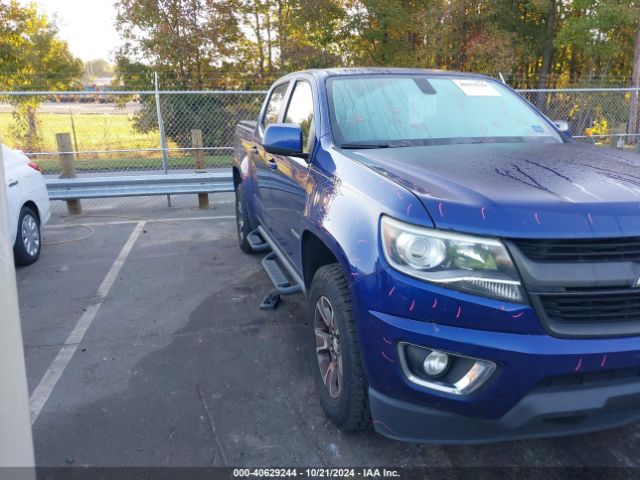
{"type": "Point", "coordinates": [28, 240]}
{"type": "Point", "coordinates": [338, 373]}
{"type": "Point", "coordinates": [243, 225]}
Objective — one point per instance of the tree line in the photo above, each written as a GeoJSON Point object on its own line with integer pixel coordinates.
{"type": "Point", "coordinates": [195, 44]}
{"type": "Point", "coordinates": [246, 44]}
{"type": "Point", "coordinates": [198, 44]}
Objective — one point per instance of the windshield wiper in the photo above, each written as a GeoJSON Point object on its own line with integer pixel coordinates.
{"type": "Point", "coordinates": [364, 145]}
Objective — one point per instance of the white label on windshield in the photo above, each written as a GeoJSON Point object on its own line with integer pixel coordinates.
{"type": "Point", "coordinates": [476, 88]}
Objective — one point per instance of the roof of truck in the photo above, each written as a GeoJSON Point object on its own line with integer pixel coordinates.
{"type": "Point", "coordinates": [333, 72]}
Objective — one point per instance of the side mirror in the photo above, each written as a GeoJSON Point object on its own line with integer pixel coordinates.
{"type": "Point", "coordinates": [564, 127]}
{"type": "Point", "coordinates": [284, 139]}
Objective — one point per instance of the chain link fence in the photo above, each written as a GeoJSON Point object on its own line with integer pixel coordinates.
{"type": "Point", "coordinates": [600, 116]}
{"type": "Point", "coordinates": [119, 133]}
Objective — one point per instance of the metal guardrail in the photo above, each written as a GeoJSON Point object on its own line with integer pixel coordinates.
{"type": "Point", "coordinates": [138, 185]}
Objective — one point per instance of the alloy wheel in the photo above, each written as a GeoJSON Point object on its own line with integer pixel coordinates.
{"type": "Point", "coordinates": [30, 235]}
{"type": "Point", "coordinates": [239, 216]}
{"type": "Point", "coordinates": [328, 346]}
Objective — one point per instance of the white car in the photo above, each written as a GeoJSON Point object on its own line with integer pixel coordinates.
{"type": "Point", "coordinates": [28, 204]}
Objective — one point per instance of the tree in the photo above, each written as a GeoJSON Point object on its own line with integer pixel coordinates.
{"type": "Point", "coordinates": [307, 33]}
{"type": "Point", "coordinates": [246, 44]}
{"type": "Point", "coordinates": [598, 36]}
{"type": "Point", "coordinates": [32, 57]}
{"type": "Point", "coordinates": [192, 45]}
{"type": "Point", "coordinates": [187, 42]}
{"type": "Point", "coordinates": [535, 43]}
{"type": "Point", "coordinates": [549, 37]}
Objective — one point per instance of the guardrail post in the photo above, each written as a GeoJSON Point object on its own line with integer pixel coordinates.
{"type": "Point", "coordinates": [197, 143]}
{"type": "Point", "coordinates": [67, 168]}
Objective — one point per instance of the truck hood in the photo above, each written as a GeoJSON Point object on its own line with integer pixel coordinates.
{"type": "Point", "coordinates": [519, 190]}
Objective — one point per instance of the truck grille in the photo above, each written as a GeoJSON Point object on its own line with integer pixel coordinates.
{"type": "Point", "coordinates": [582, 250]}
{"type": "Point", "coordinates": [589, 312]}
{"type": "Point", "coordinates": [582, 287]}
{"type": "Point", "coordinates": [593, 306]}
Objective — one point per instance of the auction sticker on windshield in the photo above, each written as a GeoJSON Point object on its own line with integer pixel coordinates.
{"type": "Point", "coordinates": [476, 88]}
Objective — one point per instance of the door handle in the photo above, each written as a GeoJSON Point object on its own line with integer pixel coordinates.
{"type": "Point", "coordinates": [13, 183]}
{"type": "Point", "coordinates": [273, 164]}
{"type": "Point", "coordinates": [254, 150]}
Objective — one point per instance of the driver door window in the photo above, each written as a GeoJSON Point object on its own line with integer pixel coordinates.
{"type": "Point", "coordinates": [300, 111]}
{"type": "Point", "coordinates": [274, 105]}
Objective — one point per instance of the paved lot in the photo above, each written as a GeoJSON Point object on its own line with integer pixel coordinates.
{"type": "Point", "coordinates": [179, 367]}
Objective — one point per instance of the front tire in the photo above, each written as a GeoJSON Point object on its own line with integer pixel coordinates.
{"type": "Point", "coordinates": [337, 366]}
{"type": "Point", "coordinates": [28, 239]}
{"type": "Point", "coordinates": [243, 224]}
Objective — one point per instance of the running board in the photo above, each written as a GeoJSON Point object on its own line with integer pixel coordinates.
{"type": "Point", "coordinates": [256, 242]}
{"type": "Point", "coordinates": [283, 285]}
{"type": "Point", "coordinates": [283, 274]}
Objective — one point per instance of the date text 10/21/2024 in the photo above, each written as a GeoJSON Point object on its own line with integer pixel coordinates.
{"type": "Point", "coordinates": [316, 472]}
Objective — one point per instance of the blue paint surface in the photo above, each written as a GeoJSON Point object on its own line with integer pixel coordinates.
{"type": "Point", "coordinates": [514, 191]}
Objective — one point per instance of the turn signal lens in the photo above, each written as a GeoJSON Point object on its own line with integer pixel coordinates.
{"type": "Point", "coordinates": [35, 166]}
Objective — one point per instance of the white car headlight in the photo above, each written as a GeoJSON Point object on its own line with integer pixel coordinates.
{"type": "Point", "coordinates": [477, 265]}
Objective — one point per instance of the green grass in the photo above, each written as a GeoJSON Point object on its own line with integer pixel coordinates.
{"type": "Point", "coordinates": [93, 132]}
{"type": "Point", "coordinates": [52, 165]}
{"type": "Point", "coordinates": [112, 131]}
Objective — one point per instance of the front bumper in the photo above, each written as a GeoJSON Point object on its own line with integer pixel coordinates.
{"type": "Point", "coordinates": [543, 386]}
{"type": "Point", "coordinates": [541, 414]}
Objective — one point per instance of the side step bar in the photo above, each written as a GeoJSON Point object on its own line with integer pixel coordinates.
{"type": "Point", "coordinates": [283, 285]}
{"type": "Point", "coordinates": [256, 242]}
{"type": "Point", "coordinates": [283, 275]}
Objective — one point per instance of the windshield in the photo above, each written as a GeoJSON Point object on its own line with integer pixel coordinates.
{"type": "Point", "coordinates": [405, 110]}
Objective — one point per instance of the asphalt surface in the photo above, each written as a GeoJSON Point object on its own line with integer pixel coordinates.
{"type": "Point", "coordinates": [179, 367]}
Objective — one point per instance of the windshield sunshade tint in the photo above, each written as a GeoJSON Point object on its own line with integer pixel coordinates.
{"type": "Point", "coordinates": [422, 110]}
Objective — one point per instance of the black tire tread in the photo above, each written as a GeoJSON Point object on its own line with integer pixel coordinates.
{"type": "Point", "coordinates": [20, 256]}
{"type": "Point", "coordinates": [244, 243]}
{"type": "Point", "coordinates": [358, 416]}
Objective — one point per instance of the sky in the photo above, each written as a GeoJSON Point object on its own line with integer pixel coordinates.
{"type": "Point", "coordinates": [87, 25]}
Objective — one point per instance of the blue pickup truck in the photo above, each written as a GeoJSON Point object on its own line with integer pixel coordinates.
{"type": "Point", "coordinates": [471, 273]}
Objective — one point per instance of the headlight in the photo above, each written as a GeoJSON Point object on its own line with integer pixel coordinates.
{"type": "Point", "coordinates": [473, 264]}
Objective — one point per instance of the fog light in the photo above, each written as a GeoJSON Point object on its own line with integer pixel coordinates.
{"type": "Point", "coordinates": [446, 372]}
{"type": "Point", "coordinates": [436, 363]}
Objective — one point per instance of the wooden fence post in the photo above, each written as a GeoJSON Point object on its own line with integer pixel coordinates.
{"type": "Point", "coordinates": [67, 167]}
{"type": "Point", "coordinates": [198, 152]}
{"type": "Point", "coordinates": [617, 140]}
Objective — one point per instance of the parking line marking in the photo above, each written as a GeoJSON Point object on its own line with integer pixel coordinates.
{"type": "Point", "coordinates": [56, 369]}
{"type": "Point", "coordinates": [148, 220]}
